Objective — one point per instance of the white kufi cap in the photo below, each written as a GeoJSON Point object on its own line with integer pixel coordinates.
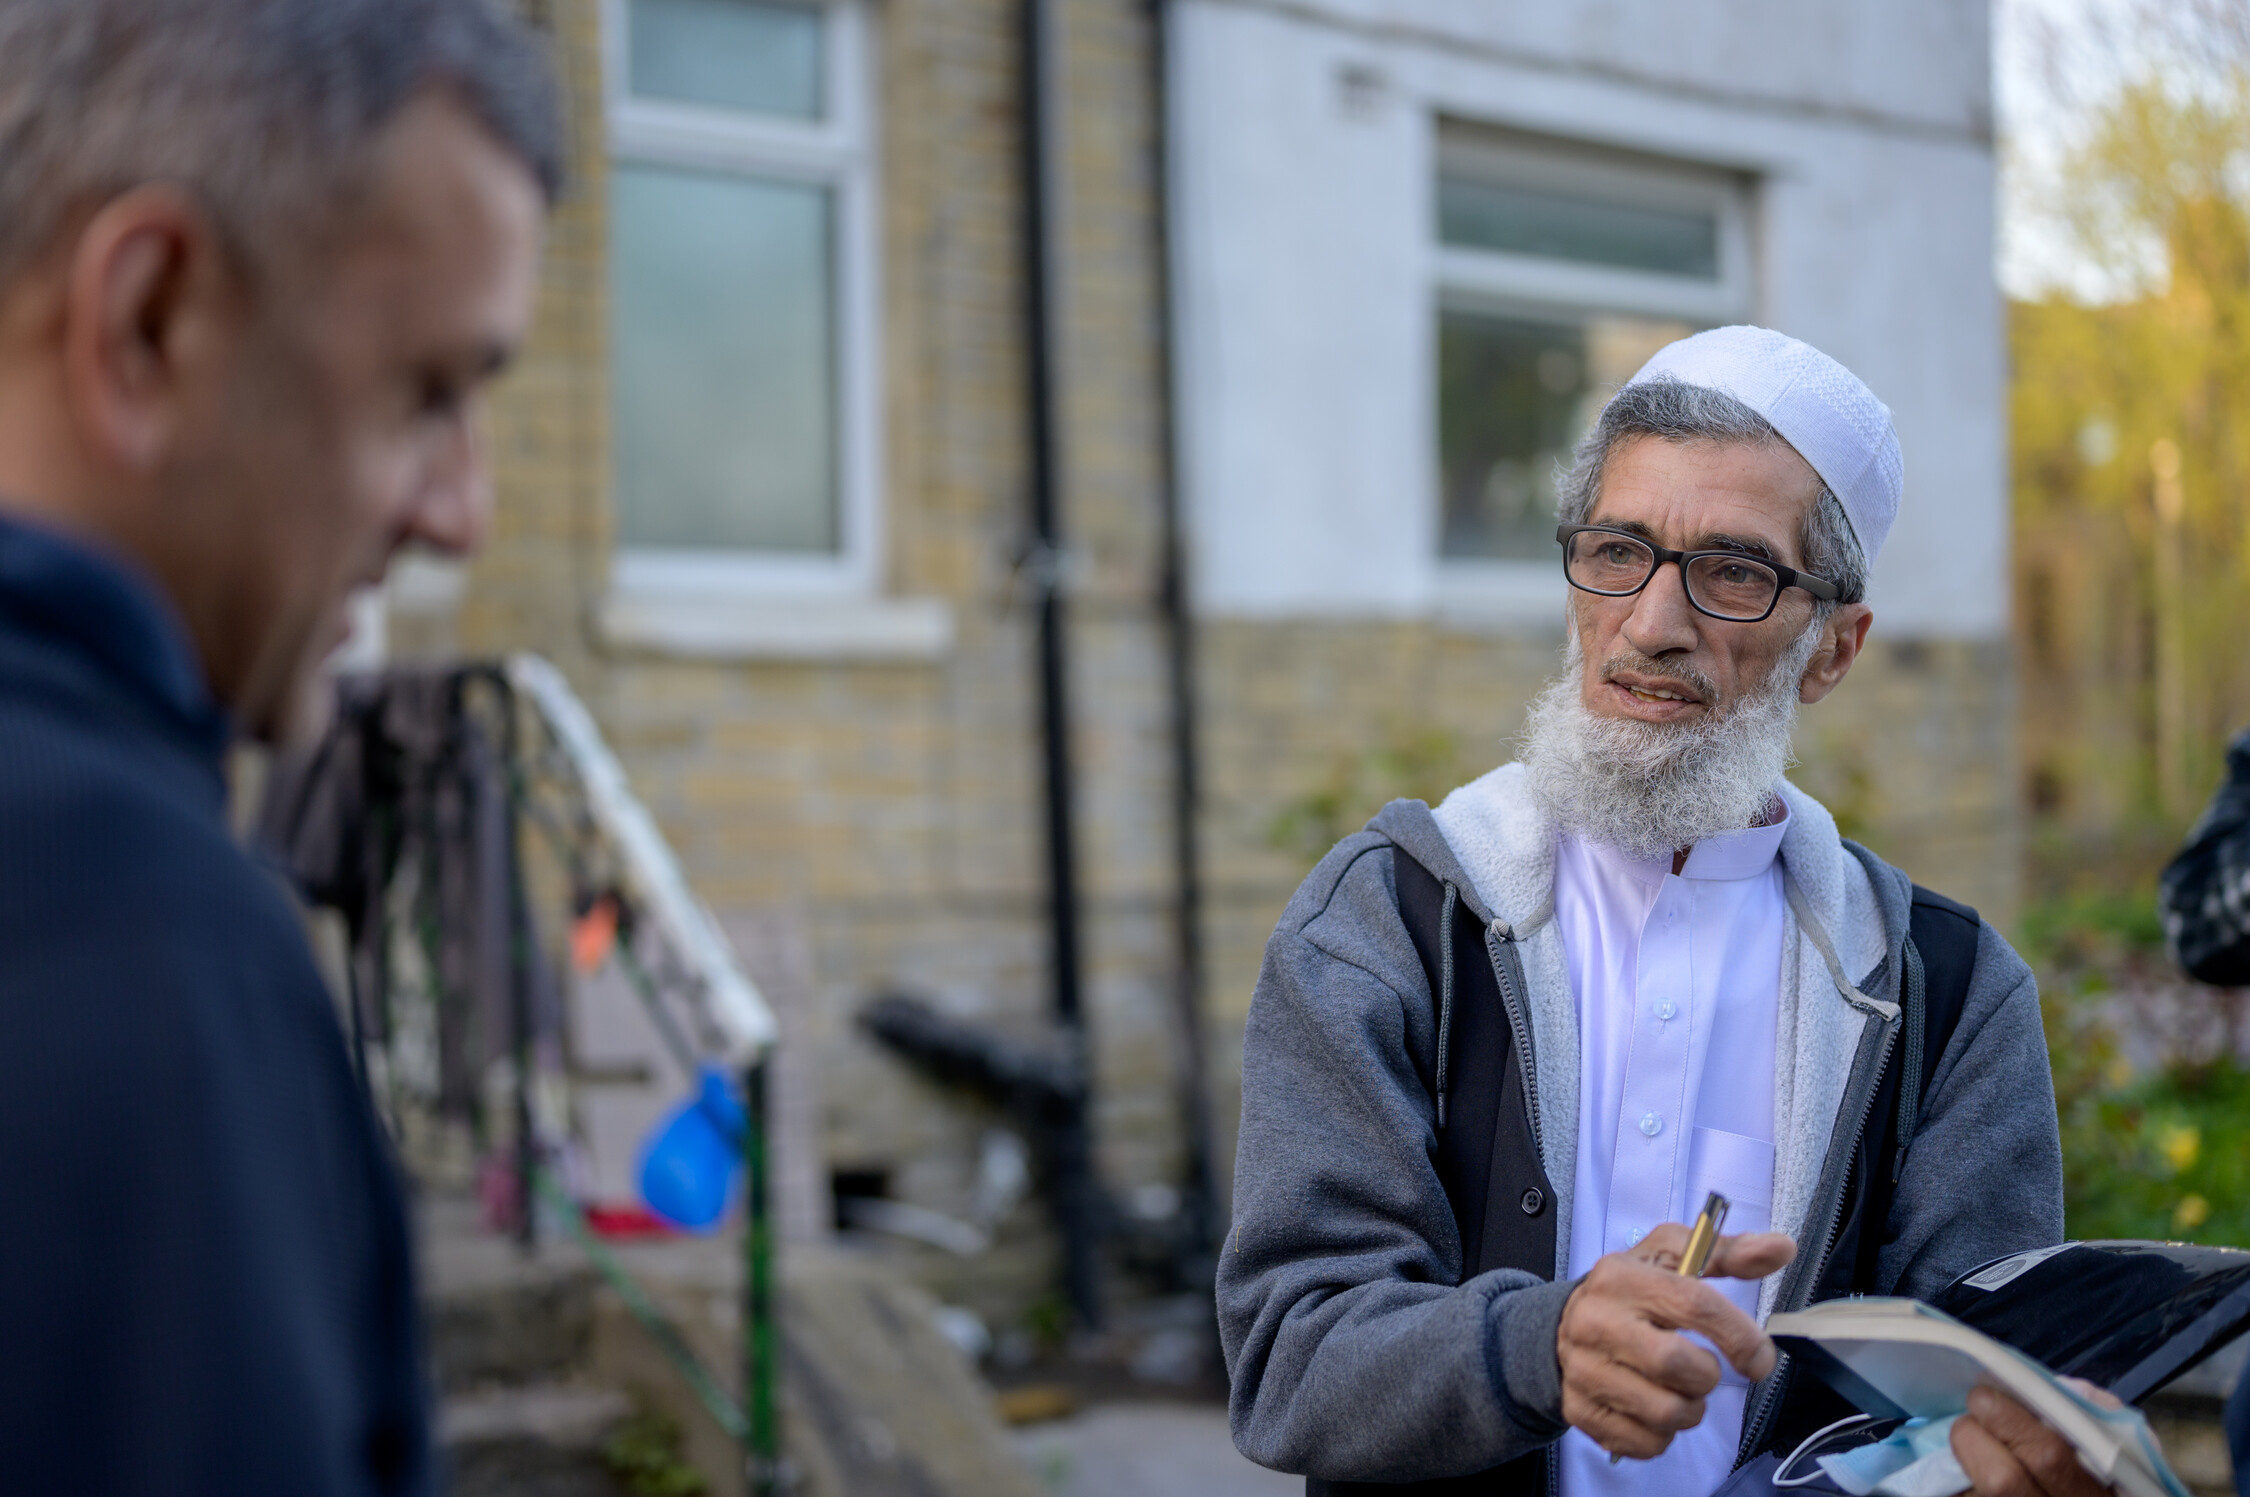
{"type": "Point", "coordinates": [1819, 407]}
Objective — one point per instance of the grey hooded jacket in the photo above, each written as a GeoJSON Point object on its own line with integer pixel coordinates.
{"type": "Point", "coordinates": [1354, 1350]}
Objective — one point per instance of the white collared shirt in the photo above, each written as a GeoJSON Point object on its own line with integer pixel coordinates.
{"type": "Point", "coordinates": [1677, 980]}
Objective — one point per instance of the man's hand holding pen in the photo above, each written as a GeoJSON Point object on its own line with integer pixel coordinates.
{"type": "Point", "coordinates": [1630, 1380]}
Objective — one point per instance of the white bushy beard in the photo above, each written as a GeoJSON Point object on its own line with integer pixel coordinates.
{"type": "Point", "coordinates": [1650, 789]}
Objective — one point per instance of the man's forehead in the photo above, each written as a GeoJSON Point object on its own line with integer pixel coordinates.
{"type": "Point", "coordinates": [438, 178]}
{"type": "Point", "coordinates": [446, 235]}
{"type": "Point", "coordinates": [1706, 492]}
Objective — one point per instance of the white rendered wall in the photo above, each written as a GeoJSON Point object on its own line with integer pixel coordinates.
{"type": "Point", "coordinates": [1305, 138]}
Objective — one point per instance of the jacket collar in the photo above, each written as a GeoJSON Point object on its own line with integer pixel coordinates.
{"type": "Point", "coordinates": [68, 596]}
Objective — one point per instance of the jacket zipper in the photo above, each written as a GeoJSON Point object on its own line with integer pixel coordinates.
{"type": "Point", "coordinates": [1498, 935]}
{"type": "Point", "coordinates": [1753, 1427]}
{"type": "Point", "coordinates": [1519, 1030]}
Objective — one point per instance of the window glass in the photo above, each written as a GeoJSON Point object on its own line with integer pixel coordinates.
{"type": "Point", "coordinates": [1553, 226]}
{"type": "Point", "coordinates": [745, 55]}
{"type": "Point", "coordinates": [1514, 395]}
{"type": "Point", "coordinates": [726, 425]}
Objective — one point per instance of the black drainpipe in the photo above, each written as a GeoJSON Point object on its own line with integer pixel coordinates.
{"type": "Point", "coordinates": [1199, 1203]}
{"type": "Point", "coordinates": [1069, 1145]}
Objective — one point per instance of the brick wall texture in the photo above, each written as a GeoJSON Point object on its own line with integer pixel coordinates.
{"type": "Point", "coordinates": [891, 811]}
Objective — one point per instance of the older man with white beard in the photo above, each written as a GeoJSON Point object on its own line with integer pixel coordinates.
{"type": "Point", "coordinates": [1501, 1050]}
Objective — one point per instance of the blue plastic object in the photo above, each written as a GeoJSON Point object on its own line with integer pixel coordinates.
{"type": "Point", "coordinates": [688, 1171]}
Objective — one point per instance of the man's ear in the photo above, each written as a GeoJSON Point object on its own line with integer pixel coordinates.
{"type": "Point", "coordinates": [148, 297]}
{"type": "Point", "coordinates": [1843, 638]}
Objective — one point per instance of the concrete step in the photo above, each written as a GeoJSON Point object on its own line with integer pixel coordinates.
{"type": "Point", "coordinates": [541, 1440]}
{"type": "Point", "coordinates": [499, 1317]}
{"type": "Point", "coordinates": [536, 1358]}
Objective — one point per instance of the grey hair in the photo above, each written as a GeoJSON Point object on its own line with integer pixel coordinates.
{"type": "Point", "coordinates": [1681, 412]}
{"type": "Point", "coordinates": [266, 110]}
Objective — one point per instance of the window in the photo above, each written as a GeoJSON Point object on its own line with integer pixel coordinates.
{"type": "Point", "coordinates": [1560, 270]}
{"type": "Point", "coordinates": [741, 245]}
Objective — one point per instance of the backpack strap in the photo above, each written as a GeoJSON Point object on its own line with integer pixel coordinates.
{"type": "Point", "coordinates": [1941, 956]}
{"type": "Point", "coordinates": [1913, 996]}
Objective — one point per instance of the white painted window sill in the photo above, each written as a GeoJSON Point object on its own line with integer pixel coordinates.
{"type": "Point", "coordinates": [746, 628]}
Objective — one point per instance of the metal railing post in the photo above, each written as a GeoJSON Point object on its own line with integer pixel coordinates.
{"type": "Point", "coordinates": [761, 1341]}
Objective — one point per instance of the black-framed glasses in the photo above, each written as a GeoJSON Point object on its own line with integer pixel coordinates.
{"type": "Point", "coordinates": [1730, 585]}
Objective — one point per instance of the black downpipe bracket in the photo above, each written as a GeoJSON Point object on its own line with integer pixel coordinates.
{"type": "Point", "coordinates": [1199, 1197]}
{"type": "Point", "coordinates": [1077, 1204]}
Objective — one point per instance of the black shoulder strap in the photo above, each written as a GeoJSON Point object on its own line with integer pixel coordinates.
{"type": "Point", "coordinates": [1941, 955]}
{"type": "Point", "coordinates": [1470, 1054]}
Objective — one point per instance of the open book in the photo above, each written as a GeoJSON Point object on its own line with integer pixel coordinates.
{"type": "Point", "coordinates": [2127, 1316]}
{"type": "Point", "coordinates": [1898, 1358]}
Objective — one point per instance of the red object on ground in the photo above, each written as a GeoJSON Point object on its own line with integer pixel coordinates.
{"type": "Point", "coordinates": [627, 1221]}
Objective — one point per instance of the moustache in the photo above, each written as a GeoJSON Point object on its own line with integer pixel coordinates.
{"type": "Point", "coordinates": [1703, 686]}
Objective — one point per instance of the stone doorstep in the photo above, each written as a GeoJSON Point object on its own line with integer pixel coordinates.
{"type": "Point", "coordinates": [539, 1441]}
{"type": "Point", "coordinates": [568, 1416]}
{"type": "Point", "coordinates": [536, 1359]}
{"type": "Point", "coordinates": [875, 1402]}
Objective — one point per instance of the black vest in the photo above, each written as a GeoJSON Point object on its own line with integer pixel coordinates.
{"type": "Point", "coordinates": [1488, 1159]}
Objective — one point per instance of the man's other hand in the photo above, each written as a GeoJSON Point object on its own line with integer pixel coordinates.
{"type": "Point", "coordinates": [2007, 1451]}
{"type": "Point", "coordinates": [1630, 1380]}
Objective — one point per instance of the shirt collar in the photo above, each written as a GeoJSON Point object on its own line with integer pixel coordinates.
{"type": "Point", "coordinates": [1729, 855]}
{"type": "Point", "coordinates": [90, 602]}
{"type": "Point", "coordinates": [1743, 854]}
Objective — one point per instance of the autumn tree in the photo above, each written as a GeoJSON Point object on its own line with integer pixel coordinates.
{"type": "Point", "coordinates": [2132, 448]}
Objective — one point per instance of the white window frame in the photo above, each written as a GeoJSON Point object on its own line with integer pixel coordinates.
{"type": "Point", "coordinates": [837, 152]}
{"type": "Point", "coordinates": [1516, 590]}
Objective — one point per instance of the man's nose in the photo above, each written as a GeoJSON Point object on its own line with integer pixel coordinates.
{"type": "Point", "coordinates": [1662, 619]}
{"type": "Point", "coordinates": [454, 509]}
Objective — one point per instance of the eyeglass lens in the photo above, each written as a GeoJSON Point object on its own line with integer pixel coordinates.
{"type": "Point", "coordinates": [1736, 587]}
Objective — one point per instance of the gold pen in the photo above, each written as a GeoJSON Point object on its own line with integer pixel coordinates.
{"type": "Point", "coordinates": [1702, 1238]}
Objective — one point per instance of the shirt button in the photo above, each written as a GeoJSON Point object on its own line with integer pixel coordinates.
{"type": "Point", "coordinates": [1651, 1124]}
{"type": "Point", "coordinates": [1666, 1010]}
{"type": "Point", "coordinates": [1534, 1201]}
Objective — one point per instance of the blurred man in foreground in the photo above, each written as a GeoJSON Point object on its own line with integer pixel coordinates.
{"type": "Point", "coordinates": [1500, 1050]}
{"type": "Point", "coordinates": [258, 259]}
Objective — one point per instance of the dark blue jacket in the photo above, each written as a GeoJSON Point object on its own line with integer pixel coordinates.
{"type": "Point", "coordinates": [204, 1276]}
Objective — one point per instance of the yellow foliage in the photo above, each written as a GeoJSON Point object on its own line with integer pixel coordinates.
{"type": "Point", "coordinates": [2192, 1212]}
{"type": "Point", "coordinates": [2132, 472]}
{"type": "Point", "coordinates": [2180, 1146]}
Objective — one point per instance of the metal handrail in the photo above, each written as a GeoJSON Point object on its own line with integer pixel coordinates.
{"type": "Point", "coordinates": [737, 1015]}
{"type": "Point", "coordinates": [735, 1007]}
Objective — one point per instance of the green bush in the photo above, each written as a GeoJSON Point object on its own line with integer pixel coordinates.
{"type": "Point", "coordinates": [2167, 1157]}
{"type": "Point", "coordinates": [2161, 1155]}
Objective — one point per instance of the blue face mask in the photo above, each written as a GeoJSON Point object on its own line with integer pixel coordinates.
{"type": "Point", "coordinates": [1916, 1460]}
